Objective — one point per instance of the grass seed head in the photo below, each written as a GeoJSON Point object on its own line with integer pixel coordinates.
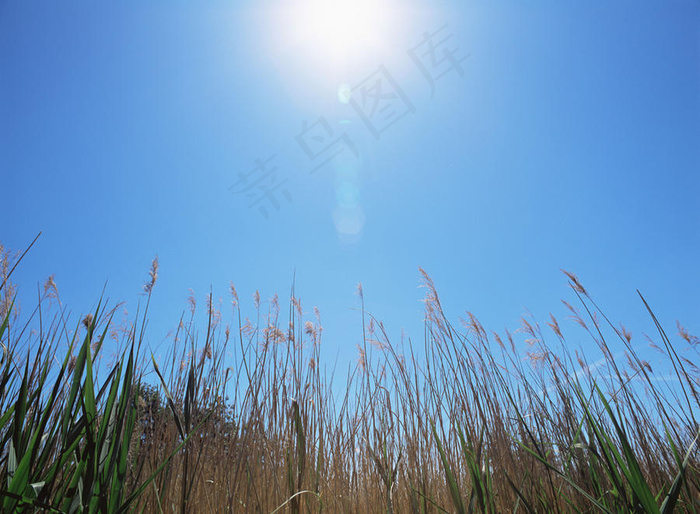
{"type": "Point", "coordinates": [153, 276]}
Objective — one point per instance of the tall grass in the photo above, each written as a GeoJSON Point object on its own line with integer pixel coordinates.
{"type": "Point", "coordinates": [246, 417]}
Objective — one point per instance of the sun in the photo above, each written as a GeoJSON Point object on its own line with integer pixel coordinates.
{"type": "Point", "coordinates": [320, 49]}
{"type": "Point", "coordinates": [342, 26]}
{"type": "Point", "coordinates": [336, 31]}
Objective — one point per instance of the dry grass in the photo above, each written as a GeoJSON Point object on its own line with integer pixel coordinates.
{"type": "Point", "coordinates": [245, 417]}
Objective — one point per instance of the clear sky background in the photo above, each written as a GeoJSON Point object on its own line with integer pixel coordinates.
{"type": "Point", "coordinates": [567, 136]}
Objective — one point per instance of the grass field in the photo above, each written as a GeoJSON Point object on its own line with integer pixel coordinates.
{"type": "Point", "coordinates": [243, 419]}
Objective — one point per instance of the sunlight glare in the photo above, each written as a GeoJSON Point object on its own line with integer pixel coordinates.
{"type": "Point", "coordinates": [340, 24]}
{"type": "Point", "coordinates": [344, 93]}
{"type": "Point", "coordinates": [338, 31]}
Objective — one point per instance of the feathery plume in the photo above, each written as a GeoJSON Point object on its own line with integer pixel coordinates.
{"type": "Point", "coordinates": [50, 289]}
{"type": "Point", "coordinates": [575, 282]}
{"type": "Point", "coordinates": [192, 301]}
{"type": "Point", "coordinates": [153, 276]}
{"type": "Point", "coordinates": [234, 295]}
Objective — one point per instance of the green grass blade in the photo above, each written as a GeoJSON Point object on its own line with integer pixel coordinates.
{"type": "Point", "coordinates": [630, 466]}
{"type": "Point", "coordinates": [449, 476]}
{"type": "Point", "coordinates": [171, 401]}
{"type": "Point", "coordinates": [671, 499]}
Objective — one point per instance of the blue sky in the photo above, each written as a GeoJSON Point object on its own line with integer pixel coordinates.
{"type": "Point", "coordinates": [567, 138]}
